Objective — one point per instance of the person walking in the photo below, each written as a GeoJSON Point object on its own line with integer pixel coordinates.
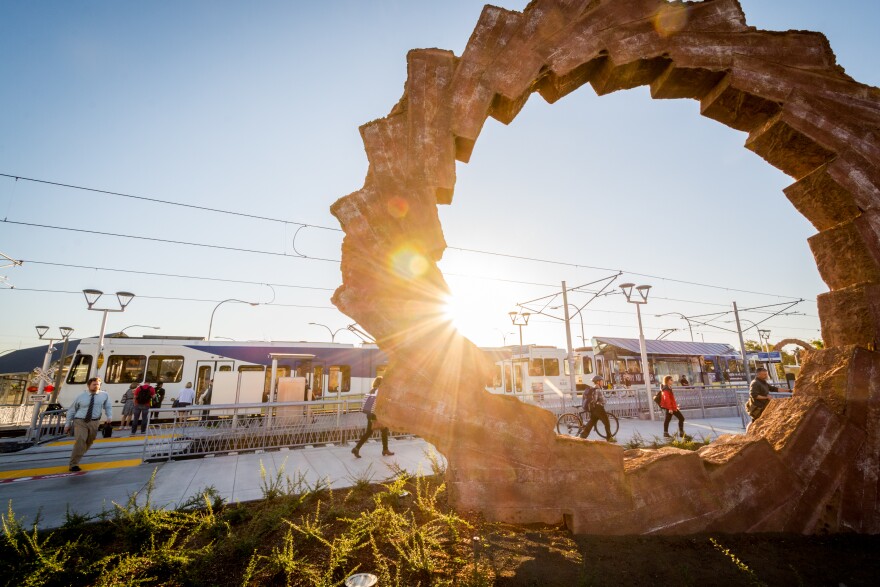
{"type": "Point", "coordinates": [143, 401]}
{"type": "Point", "coordinates": [759, 394]}
{"type": "Point", "coordinates": [668, 403]}
{"type": "Point", "coordinates": [185, 397]}
{"type": "Point", "coordinates": [594, 405]}
{"type": "Point", "coordinates": [84, 416]}
{"type": "Point", "coordinates": [367, 408]}
{"type": "Point", "coordinates": [127, 406]}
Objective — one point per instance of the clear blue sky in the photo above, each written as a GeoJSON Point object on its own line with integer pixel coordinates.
{"type": "Point", "coordinates": [254, 107]}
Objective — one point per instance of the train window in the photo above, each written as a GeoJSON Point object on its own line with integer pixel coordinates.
{"type": "Point", "coordinates": [224, 368]}
{"type": "Point", "coordinates": [125, 369]}
{"type": "Point", "coordinates": [339, 378]}
{"type": "Point", "coordinates": [588, 365]}
{"type": "Point", "coordinates": [318, 382]}
{"type": "Point", "coordinates": [244, 368]}
{"type": "Point", "coordinates": [79, 370]}
{"type": "Point", "coordinates": [551, 367]}
{"type": "Point", "coordinates": [507, 382]}
{"type": "Point", "coordinates": [536, 367]}
{"type": "Point", "coordinates": [167, 368]}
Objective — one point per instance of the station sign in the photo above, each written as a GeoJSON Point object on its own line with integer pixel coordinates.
{"type": "Point", "coordinates": [761, 357]}
{"type": "Point", "coordinates": [37, 397]}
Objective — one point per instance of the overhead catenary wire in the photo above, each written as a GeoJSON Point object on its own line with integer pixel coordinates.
{"type": "Point", "coordinates": [305, 224]}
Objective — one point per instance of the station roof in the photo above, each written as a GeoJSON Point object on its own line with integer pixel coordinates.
{"type": "Point", "coordinates": [26, 360]}
{"type": "Point", "coordinates": [664, 347]}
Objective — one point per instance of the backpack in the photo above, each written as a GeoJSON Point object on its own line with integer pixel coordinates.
{"type": "Point", "coordinates": [590, 399]}
{"type": "Point", "coordinates": [369, 402]}
{"type": "Point", "coordinates": [658, 397]}
{"type": "Point", "coordinates": [157, 399]}
{"type": "Point", "coordinates": [144, 395]}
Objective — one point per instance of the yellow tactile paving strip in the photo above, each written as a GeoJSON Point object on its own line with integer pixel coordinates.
{"type": "Point", "coordinates": [109, 440]}
{"type": "Point", "coordinates": [64, 469]}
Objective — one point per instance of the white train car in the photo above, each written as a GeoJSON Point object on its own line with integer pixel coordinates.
{"type": "Point", "coordinates": [330, 370]}
{"type": "Point", "coordinates": [541, 369]}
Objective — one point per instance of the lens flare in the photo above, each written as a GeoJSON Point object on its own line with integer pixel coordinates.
{"type": "Point", "coordinates": [397, 207]}
{"type": "Point", "coordinates": [409, 263]}
{"type": "Point", "coordinates": [671, 19]}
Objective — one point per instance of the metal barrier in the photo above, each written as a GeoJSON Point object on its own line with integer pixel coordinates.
{"type": "Point", "coordinates": [743, 396]}
{"type": "Point", "coordinates": [202, 430]}
{"type": "Point", "coordinates": [16, 415]}
{"type": "Point", "coordinates": [49, 426]}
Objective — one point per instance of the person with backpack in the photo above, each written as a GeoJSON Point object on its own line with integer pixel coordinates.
{"type": "Point", "coordinates": [594, 405]}
{"type": "Point", "coordinates": [367, 408]}
{"type": "Point", "coordinates": [759, 395]}
{"type": "Point", "coordinates": [160, 395]}
{"type": "Point", "coordinates": [670, 406]}
{"type": "Point", "coordinates": [127, 406]}
{"type": "Point", "coordinates": [143, 401]}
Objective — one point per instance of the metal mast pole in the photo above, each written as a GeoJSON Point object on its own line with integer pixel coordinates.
{"type": "Point", "coordinates": [742, 345]}
{"type": "Point", "coordinates": [646, 374]}
{"type": "Point", "coordinates": [572, 387]}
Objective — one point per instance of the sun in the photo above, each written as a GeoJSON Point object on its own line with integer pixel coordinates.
{"type": "Point", "coordinates": [459, 313]}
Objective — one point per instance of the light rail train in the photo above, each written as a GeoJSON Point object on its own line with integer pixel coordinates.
{"type": "Point", "coordinates": [330, 370]}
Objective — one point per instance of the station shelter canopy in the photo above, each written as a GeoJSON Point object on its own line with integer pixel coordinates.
{"type": "Point", "coordinates": [668, 348]}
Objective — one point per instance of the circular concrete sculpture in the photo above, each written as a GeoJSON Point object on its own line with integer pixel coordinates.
{"type": "Point", "coordinates": [811, 463]}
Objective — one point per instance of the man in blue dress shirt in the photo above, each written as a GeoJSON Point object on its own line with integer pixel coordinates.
{"type": "Point", "coordinates": [84, 415]}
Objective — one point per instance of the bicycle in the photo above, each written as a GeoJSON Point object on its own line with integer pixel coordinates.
{"type": "Point", "coordinates": [572, 424]}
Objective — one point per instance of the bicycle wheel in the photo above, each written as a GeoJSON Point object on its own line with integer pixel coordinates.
{"type": "Point", "coordinates": [613, 426]}
{"type": "Point", "coordinates": [569, 424]}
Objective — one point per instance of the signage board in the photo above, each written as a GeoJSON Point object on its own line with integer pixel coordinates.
{"type": "Point", "coordinates": [38, 397]}
{"type": "Point", "coordinates": [762, 357]}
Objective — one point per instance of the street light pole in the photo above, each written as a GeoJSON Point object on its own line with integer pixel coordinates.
{"type": "Point", "coordinates": [519, 319]}
{"type": "Point", "coordinates": [92, 296]}
{"type": "Point", "coordinates": [138, 326]}
{"type": "Point", "coordinates": [211, 323]}
{"type": "Point", "coordinates": [643, 291]}
{"type": "Point", "coordinates": [683, 317]}
{"type": "Point", "coordinates": [332, 332]}
{"type": "Point", "coordinates": [47, 358]}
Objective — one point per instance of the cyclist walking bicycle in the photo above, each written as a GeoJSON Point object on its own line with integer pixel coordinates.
{"type": "Point", "coordinates": [594, 405]}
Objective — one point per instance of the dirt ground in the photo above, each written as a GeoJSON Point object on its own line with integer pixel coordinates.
{"type": "Point", "coordinates": [548, 556]}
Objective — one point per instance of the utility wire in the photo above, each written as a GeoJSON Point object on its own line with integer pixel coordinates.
{"type": "Point", "coordinates": [168, 202]}
{"type": "Point", "coordinates": [303, 224]}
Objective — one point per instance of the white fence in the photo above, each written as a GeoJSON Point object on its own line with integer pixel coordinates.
{"type": "Point", "coordinates": [16, 415]}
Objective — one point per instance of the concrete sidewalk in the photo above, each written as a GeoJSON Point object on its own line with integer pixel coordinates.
{"type": "Point", "coordinates": [39, 486]}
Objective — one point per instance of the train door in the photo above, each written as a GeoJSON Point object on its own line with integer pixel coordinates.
{"type": "Point", "coordinates": [205, 373]}
{"type": "Point", "coordinates": [314, 380]}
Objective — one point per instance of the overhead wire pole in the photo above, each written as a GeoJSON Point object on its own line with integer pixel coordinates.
{"type": "Point", "coordinates": [742, 344]}
{"type": "Point", "coordinates": [572, 387]}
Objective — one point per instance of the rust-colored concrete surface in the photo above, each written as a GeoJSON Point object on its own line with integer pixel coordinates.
{"type": "Point", "coordinates": [811, 464]}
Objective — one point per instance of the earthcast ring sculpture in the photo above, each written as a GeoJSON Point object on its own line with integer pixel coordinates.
{"type": "Point", "coordinates": [811, 463]}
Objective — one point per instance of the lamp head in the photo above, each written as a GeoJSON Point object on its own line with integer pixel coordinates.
{"type": "Point", "coordinates": [627, 289]}
{"type": "Point", "coordinates": [92, 296]}
{"type": "Point", "coordinates": [65, 331]}
{"type": "Point", "coordinates": [124, 298]}
{"type": "Point", "coordinates": [525, 316]}
{"type": "Point", "coordinates": [643, 291]}
{"type": "Point", "coordinates": [41, 330]}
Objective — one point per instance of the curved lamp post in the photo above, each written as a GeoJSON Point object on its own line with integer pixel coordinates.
{"type": "Point", "coordinates": [138, 326]}
{"type": "Point", "coordinates": [47, 359]}
{"type": "Point", "coordinates": [642, 298]}
{"type": "Point", "coordinates": [683, 317]}
{"type": "Point", "coordinates": [92, 296]}
{"type": "Point", "coordinates": [331, 331]}
{"type": "Point", "coordinates": [211, 323]}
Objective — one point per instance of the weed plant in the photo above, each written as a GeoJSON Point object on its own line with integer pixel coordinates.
{"type": "Point", "coordinates": [301, 534]}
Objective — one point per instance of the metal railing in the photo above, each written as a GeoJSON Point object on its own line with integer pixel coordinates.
{"type": "Point", "coordinates": [632, 402]}
{"type": "Point", "coordinates": [742, 397]}
{"type": "Point", "coordinates": [16, 415]}
{"type": "Point", "coordinates": [48, 426]}
{"type": "Point", "coordinates": [202, 430]}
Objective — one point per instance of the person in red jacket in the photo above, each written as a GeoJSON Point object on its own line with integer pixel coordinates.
{"type": "Point", "coordinates": [668, 403]}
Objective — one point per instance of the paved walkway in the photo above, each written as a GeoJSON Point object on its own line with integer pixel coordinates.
{"type": "Point", "coordinates": [37, 482]}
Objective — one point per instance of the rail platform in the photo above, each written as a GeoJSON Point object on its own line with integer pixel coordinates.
{"type": "Point", "coordinates": [36, 482]}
